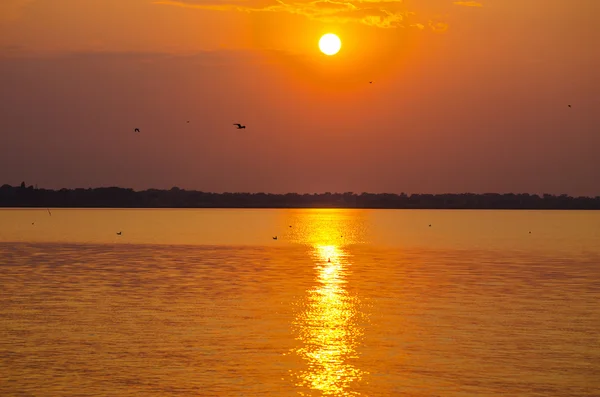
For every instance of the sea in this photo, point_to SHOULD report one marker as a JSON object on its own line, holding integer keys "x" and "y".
{"x": 299, "y": 302}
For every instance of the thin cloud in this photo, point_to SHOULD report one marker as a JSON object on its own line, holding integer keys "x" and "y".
{"x": 438, "y": 26}
{"x": 468, "y": 3}
{"x": 375, "y": 13}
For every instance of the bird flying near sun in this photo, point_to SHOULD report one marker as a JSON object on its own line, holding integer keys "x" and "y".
{"x": 330, "y": 44}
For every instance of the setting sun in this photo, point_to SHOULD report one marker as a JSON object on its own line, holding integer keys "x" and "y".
{"x": 330, "y": 44}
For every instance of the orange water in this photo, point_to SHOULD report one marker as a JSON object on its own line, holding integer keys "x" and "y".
{"x": 344, "y": 302}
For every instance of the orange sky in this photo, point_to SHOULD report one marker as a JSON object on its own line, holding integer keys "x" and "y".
{"x": 466, "y": 96}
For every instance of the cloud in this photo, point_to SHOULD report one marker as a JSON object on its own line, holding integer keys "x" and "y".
{"x": 468, "y": 3}
{"x": 375, "y": 13}
{"x": 438, "y": 26}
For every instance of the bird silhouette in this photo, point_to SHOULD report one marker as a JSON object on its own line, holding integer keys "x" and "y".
{"x": 137, "y": 130}
{"x": 569, "y": 105}
{"x": 188, "y": 121}
{"x": 275, "y": 238}
{"x": 119, "y": 233}
{"x": 370, "y": 82}
{"x": 49, "y": 213}
{"x": 239, "y": 126}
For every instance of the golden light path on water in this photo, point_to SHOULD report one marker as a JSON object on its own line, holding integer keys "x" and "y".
{"x": 328, "y": 326}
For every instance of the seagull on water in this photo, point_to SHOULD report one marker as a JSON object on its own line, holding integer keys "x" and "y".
{"x": 239, "y": 126}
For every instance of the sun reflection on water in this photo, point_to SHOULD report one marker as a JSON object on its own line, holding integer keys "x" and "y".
{"x": 328, "y": 328}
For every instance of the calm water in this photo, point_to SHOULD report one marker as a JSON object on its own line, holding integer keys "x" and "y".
{"x": 344, "y": 302}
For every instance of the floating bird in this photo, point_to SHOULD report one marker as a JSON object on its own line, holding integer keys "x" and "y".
{"x": 569, "y": 105}
{"x": 33, "y": 223}
{"x": 370, "y": 82}
{"x": 119, "y": 233}
{"x": 290, "y": 225}
{"x": 188, "y": 121}
{"x": 275, "y": 238}
{"x": 50, "y": 213}
{"x": 429, "y": 225}
{"x": 529, "y": 232}
{"x": 239, "y": 126}
{"x": 137, "y": 130}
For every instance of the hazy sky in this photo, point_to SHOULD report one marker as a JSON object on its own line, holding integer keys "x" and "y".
{"x": 466, "y": 96}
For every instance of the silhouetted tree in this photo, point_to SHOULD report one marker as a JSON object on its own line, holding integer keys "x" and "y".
{"x": 175, "y": 197}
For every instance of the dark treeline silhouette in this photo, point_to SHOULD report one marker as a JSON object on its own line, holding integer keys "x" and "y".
{"x": 115, "y": 197}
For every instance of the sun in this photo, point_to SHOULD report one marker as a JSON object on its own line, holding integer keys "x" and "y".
{"x": 330, "y": 44}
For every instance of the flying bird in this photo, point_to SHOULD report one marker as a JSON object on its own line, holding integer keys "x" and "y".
{"x": 275, "y": 238}
{"x": 239, "y": 126}
{"x": 137, "y": 130}
{"x": 119, "y": 233}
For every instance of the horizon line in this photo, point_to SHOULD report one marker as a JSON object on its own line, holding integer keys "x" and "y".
{"x": 176, "y": 188}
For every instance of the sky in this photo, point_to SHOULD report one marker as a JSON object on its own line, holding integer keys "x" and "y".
{"x": 465, "y": 96}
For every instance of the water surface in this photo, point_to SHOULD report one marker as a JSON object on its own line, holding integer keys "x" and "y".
{"x": 344, "y": 302}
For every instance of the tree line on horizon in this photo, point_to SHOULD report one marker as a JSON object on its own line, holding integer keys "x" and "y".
{"x": 116, "y": 197}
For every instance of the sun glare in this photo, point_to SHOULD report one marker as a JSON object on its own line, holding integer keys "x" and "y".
{"x": 330, "y": 44}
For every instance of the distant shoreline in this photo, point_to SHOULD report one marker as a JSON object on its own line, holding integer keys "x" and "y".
{"x": 295, "y": 208}
{"x": 122, "y": 198}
